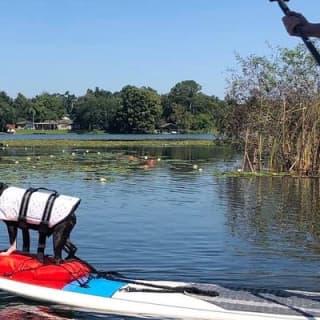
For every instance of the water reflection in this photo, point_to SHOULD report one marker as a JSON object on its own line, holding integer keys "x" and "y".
{"x": 270, "y": 211}
{"x": 18, "y": 311}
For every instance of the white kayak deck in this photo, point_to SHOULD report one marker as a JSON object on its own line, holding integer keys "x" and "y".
{"x": 229, "y": 304}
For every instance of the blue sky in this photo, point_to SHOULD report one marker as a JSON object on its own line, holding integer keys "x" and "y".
{"x": 73, "y": 45}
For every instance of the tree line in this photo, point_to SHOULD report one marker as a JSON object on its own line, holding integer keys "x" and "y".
{"x": 131, "y": 110}
{"x": 271, "y": 110}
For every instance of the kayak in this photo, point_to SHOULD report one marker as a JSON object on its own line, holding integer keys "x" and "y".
{"x": 76, "y": 285}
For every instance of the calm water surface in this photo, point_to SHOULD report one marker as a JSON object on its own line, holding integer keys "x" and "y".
{"x": 178, "y": 220}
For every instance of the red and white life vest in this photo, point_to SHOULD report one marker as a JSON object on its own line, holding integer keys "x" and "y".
{"x": 11, "y": 200}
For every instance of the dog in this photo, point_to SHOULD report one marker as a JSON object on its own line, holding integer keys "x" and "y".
{"x": 39, "y": 209}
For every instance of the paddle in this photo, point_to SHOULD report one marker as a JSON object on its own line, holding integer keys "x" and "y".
{"x": 116, "y": 276}
{"x": 299, "y": 31}
{"x": 191, "y": 289}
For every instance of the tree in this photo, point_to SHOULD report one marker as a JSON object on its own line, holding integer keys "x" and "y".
{"x": 87, "y": 113}
{"x": 183, "y": 93}
{"x": 180, "y": 116}
{"x": 96, "y": 110}
{"x": 140, "y": 110}
{"x": 21, "y": 105}
{"x": 189, "y": 108}
{"x": 206, "y": 110}
{"x": 7, "y": 112}
{"x": 48, "y": 107}
{"x": 68, "y": 102}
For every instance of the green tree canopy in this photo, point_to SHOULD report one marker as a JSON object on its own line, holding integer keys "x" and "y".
{"x": 183, "y": 93}
{"x": 133, "y": 109}
{"x": 189, "y": 108}
{"x": 22, "y": 106}
{"x": 48, "y": 106}
{"x": 7, "y": 112}
{"x": 140, "y": 110}
{"x": 96, "y": 110}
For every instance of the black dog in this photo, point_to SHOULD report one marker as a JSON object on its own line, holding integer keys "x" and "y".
{"x": 39, "y": 209}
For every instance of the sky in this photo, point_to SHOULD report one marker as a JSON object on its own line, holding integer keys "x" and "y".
{"x": 59, "y": 45}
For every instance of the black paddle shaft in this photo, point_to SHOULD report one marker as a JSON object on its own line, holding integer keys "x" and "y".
{"x": 305, "y": 39}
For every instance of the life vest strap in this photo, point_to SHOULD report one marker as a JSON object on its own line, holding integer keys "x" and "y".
{"x": 45, "y": 219}
{"x": 44, "y": 224}
{"x": 22, "y": 221}
{"x": 3, "y": 187}
{"x": 43, "y": 227}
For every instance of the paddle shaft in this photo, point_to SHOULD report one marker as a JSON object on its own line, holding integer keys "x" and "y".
{"x": 305, "y": 39}
{"x": 115, "y": 276}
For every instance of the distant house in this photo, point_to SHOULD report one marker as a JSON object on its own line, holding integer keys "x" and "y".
{"x": 46, "y": 125}
{"x": 24, "y": 125}
{"x": 11, "y": 128}
{"x": 169, "y": 128}
{"x": 64, "y": 124}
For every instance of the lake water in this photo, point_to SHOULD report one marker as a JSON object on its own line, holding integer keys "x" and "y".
{"x": 175, "y": 218}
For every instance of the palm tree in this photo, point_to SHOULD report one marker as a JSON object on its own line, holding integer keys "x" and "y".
{"x": 69, "y": 100}
{"x": 32, "y": 110}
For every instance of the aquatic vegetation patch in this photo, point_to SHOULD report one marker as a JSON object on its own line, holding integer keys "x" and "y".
{"x": 93, "y": 164}
{"x": 59, "y": 143}
{"x": 184, "y": 166}
{"x": 244, "y": 174}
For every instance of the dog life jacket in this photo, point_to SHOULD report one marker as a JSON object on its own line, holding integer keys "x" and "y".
{"x": 35, "y": 206}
